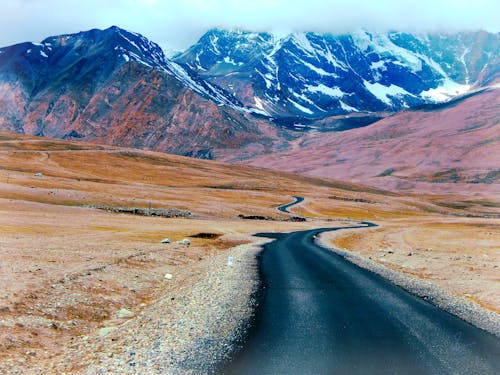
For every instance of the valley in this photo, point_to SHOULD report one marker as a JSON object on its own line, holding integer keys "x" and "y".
{"x": 132, "y": 185}
{"x": 68, "y": 268}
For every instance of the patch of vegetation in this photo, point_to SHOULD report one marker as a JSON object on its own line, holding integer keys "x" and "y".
{"x": 359, "y": 200}
{"x": 387, "y": 172}
{"x": 206, "y": 235}
{"x": 170, "y": 212}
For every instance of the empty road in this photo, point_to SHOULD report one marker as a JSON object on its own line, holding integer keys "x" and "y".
{"x": 320, "y": 314}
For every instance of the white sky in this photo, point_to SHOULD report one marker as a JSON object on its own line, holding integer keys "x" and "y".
{"x": 175, "y": 24}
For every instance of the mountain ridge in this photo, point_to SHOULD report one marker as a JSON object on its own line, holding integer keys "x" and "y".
{"x": 113, "y": 86}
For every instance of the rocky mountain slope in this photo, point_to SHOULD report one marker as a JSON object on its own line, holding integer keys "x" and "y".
{"x": 441, "y": 149}
{"x": 116, "y": 87}
{"x": 303, "y": 77}
{"x": 235, "y": 95}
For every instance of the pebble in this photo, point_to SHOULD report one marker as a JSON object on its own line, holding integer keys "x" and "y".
{"x": 194, "y": 326}
{"x": 124, "y": 314}
{"x": 106, "y": 331}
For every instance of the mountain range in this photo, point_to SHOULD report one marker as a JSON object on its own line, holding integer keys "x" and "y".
{"x": 256, "y": 97}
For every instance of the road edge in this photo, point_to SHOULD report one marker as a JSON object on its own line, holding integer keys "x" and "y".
{"x": 464, "y": 309}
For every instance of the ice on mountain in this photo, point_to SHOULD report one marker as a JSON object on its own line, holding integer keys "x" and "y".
{"x": 213, "y": 41}
{"x": 347, "y": 107}
{"x": 43, "y": 54}
{"x": 301, "y": 41}
{"x": 127, "y": 59}
{"x": 383, "y": 93}
{"x": 447, "y": 90}
{"x": 335, "y": 92}
{"x": 317, "y": 70}
{"x": 260, "y": 107}
{"x": 300, "y": 107}
{"x": 378, "y": 65}
{"x": 382, "y": 45}
{"x": 130, "y": 41}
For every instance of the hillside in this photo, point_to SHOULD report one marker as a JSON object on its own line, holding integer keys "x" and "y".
{"x": 442, "y": 150}
{"x": 232, "y": 92}
{"x": 71, "y": 261}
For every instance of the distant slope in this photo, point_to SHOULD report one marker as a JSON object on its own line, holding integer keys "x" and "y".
{"x": 304, "y": 77}
{"x": 76, "y": 173}
{"x": 451, "y": 149}
{"x": 116, "y": 87}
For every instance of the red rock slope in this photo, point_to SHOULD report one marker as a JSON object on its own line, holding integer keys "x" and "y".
{"x": 451, "y": 149}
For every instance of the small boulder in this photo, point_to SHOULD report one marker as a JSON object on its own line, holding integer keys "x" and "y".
{"x": 168, "y": 276}
{"x": 38, "y": 174}
{"x": 125, "y": 314}
{"x": 106, "y": 331}
{"x": 165, "y": 240}
{"x": 185, "y": 241}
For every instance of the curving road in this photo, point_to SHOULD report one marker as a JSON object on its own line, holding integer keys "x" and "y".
{"x": 284, "y": 207}
{"x": 320, "y": 314}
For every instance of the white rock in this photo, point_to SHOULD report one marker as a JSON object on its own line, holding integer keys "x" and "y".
{"x": 165, "y": 240}
{"x": 185, "y": 241}
{"x": 106, "y": 330}
{"x": 168, "y": 276}
{"x": 125, "y": 314}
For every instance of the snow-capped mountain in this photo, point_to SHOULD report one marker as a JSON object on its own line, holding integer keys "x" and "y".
{"x": 224, "y": 95}
{"x": 308, "y": 76}
{"x": 115, "y": 86}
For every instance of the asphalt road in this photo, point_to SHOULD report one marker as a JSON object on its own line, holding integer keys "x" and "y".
{"x": 284, "y": 207}
{"x": 320, "y": 314}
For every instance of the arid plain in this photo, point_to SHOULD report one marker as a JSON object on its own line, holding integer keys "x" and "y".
{"x": 68, "y": 263}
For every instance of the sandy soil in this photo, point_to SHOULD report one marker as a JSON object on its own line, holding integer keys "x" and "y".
{"x": 460, "y": 255}
{"x": 67, "y": 269}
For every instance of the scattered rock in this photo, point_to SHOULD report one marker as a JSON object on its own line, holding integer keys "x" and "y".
{"x": 184, "y": 241}
{"x": 125, "y": 314}
{"x": 168, "y": 276}
{"x": 106, "y": 330}
{"x": 165, "y": 240}
{"x": 38, "y": 174}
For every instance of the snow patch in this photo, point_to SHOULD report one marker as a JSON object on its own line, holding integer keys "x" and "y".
{"x": 126, "y": 58}
{"x": 301, "y": 41}
{"x": 43, "y": 54}
{"x": 347, "y": 107}
{"x": 260, "y": 107}
{"x": 378, "y": 65}
{"x": 446, "y": 91}
{"x": 318, "y": 70}
{"x": 462, "y": 59}
{"x": 335, "y": 92}
{"x": 382, "y": 92}
{"x": 228, "y": 60}
{"x": 301, "y": 108}
{"x": 381, "y": 44}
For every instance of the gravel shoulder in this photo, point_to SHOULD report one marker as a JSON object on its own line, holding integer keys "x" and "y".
{"x": 463, "y": 308}
{"x": 186, "y": 330}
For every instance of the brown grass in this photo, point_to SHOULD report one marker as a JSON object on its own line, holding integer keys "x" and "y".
{"x": 66, "y": 269}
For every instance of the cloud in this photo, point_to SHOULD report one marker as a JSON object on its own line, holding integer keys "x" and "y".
{"x": 178, "y": 23}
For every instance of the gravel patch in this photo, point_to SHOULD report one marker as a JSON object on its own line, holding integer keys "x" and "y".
{"x": 189, "y": 329}
{"x": 463, "y": 308}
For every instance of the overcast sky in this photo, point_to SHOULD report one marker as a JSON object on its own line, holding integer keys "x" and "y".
{"x": 175, "y": 24}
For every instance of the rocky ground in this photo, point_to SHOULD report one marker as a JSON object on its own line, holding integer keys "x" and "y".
{"x": 185, "y": 330}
